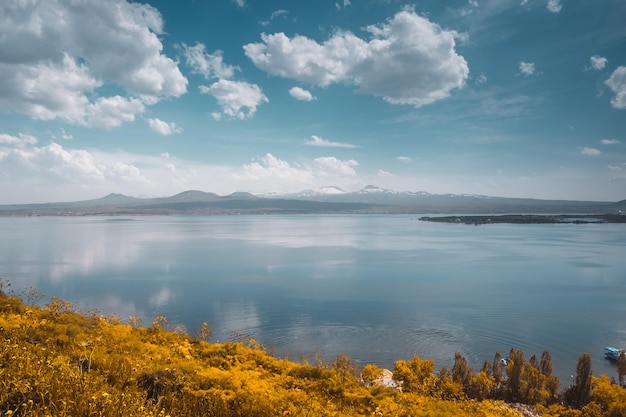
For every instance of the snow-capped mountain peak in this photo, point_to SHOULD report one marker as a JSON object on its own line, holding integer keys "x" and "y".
{"x": 373, "y": 189}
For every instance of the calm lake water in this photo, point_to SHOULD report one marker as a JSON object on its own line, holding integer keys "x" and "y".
{"x": 378, "y": 288}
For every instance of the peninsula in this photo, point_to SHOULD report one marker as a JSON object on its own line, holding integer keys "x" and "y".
{"x": 530, "y": 219}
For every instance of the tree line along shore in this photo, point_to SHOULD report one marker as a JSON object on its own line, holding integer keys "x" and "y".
{"x": 58, "y": 361}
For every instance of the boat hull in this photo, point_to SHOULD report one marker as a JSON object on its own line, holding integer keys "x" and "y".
{"x": 612, "y": 353}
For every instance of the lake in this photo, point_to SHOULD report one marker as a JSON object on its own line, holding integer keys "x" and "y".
{"x": 378, "y": 288}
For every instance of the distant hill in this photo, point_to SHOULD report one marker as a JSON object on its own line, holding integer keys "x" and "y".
{"x": 370, "y": 199}
{"x": 423, "y": 202}
{"x": 620, "y": 205}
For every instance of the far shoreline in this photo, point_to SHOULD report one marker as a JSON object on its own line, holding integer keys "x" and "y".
{"x": 529, "y": 219}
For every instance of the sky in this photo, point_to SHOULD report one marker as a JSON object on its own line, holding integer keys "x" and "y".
{"x": 512, "y": 98}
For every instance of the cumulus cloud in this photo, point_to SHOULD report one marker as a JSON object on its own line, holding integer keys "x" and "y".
{"x": 598, "y": 62}
{"x": 62, "y": 68}
{"x": 384, "y": 174}
{"x": 164, "y": 128}
{"x": 207, "y": 64}
{"x": 554, "y": 6}
{"x": 238, "y": 99}
{"x": 25, "y": 160}
{"x": 610, "y": 142}
{"x": 272, "y": 173}
{"x": 331, "y": 166}
{"x": 275, "y": 173}
{"x": 404, "y": 159}
{"x": 19, "y": 141}
{"x": 108, "y": 112}
{"x": 590, "y": 151}
{"x": 617, "y": 84}
{"x": 527, "y": 68}
{"x": 317, "y": 141}
{"x": 301, "y": 94}
{"x": 31, "y": 172}
{"x": 407, "y": 60}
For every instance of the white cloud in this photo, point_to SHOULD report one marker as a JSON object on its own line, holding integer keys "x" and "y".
{"x": 590, "y": 151}
{"x": 554, "y": 6}
{"x": 317, "y": 141}
{"x": 343, "y": 5}
{"x": 164, "y": 128}
{"x": 384, "y": 174}
{"x": 301, "y": 94}
{"x": 65, "y": 135}
{"x": 481, "y": 79}
{"x": 31, "y": 173}
{"x": 617, "y": 84}
{"x": 240, "y": 3}
{"x": 53, "y": 172}
{"x": 275, "y": 174}
{"x": 109, "y": 112}
{"x": 19, "y": 141}
{"x": 331, "y": 166}
{"x": 598, "y": 62}
{"x": 62, "y": 68}
{"x": 238, "y": 99}
{"x": 404, "y": 159}
{"x": 270, "y": 173}
{"x": 279, "y": 13}
{"x": 610, "y": 142}
{"x": 206, "y": 64}
{"x": 53, "y": 164}
{"x": 466, "y": 11}
{"x": 527, "y": 68}
{"x": 408, "y": 60}
{"x": 124, "y": 173}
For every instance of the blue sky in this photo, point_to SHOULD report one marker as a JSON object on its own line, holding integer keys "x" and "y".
{"x": 521, "y": 98}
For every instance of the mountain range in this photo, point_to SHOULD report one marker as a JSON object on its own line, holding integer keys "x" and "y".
{"x": 369, "y": 200}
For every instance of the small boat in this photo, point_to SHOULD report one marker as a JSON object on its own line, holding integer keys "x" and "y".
{"x": 612, "y": 353}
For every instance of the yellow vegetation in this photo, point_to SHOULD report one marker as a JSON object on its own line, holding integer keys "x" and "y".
{"x": 57, "y": 362}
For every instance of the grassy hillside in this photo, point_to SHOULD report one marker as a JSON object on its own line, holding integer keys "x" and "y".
{"x": 55, "y": 361}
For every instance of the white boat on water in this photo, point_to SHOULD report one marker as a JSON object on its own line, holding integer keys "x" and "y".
{"x": 612, "y": 353}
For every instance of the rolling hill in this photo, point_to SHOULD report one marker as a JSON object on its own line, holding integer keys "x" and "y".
{"x": 368, "y": 200}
